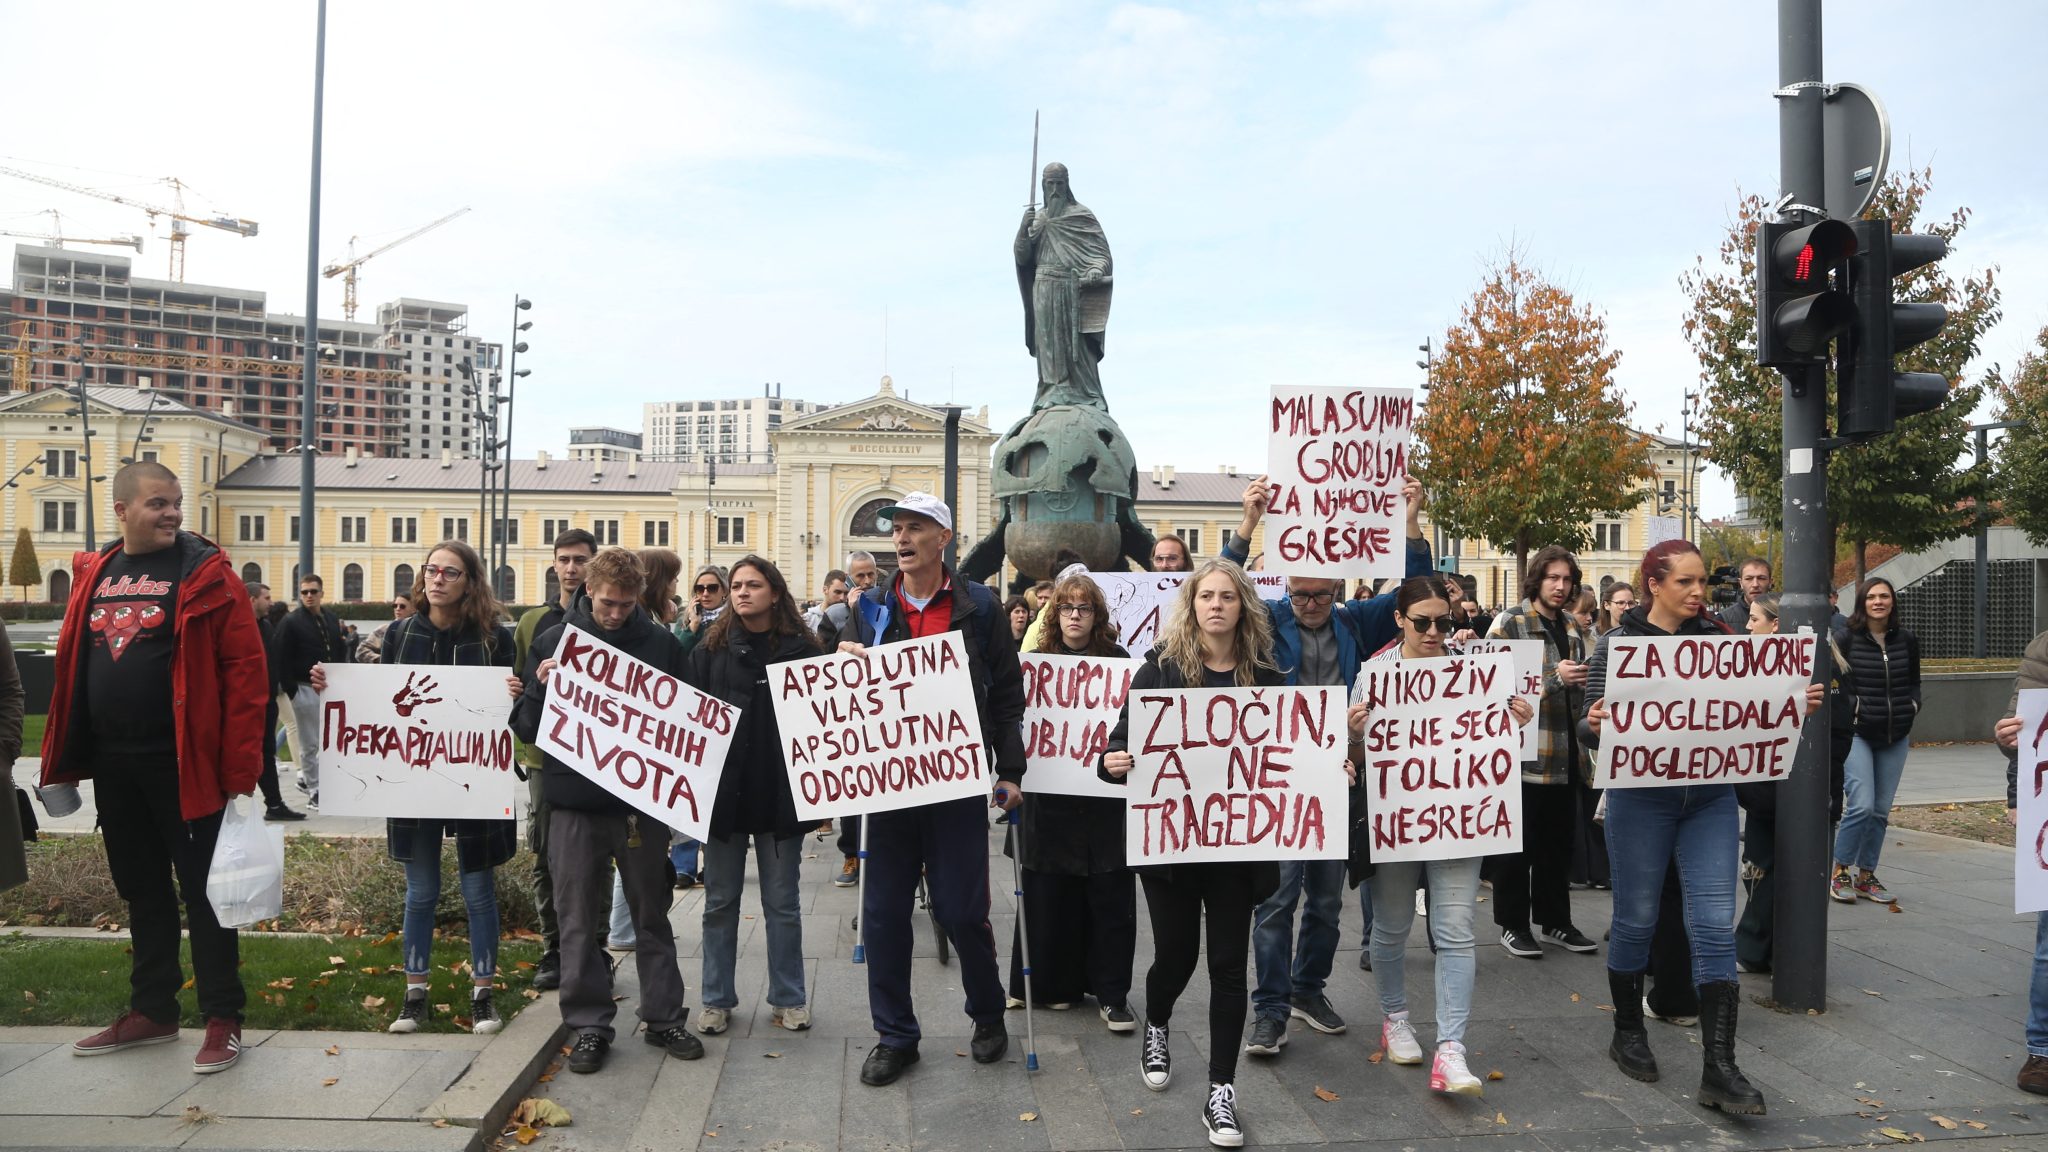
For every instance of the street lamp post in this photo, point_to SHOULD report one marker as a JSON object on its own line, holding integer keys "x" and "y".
{"x": 502, "y": 544}
{"x": 1981, "y": 644}
{"x": 85, "y": 435}
{"x": 1428, "y": 366}
{"x": 310, "y": 387}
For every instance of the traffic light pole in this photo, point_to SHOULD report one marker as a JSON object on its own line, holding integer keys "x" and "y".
{"x": 1802, "y": 844}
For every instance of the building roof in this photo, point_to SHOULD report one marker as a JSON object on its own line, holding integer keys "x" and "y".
{"x": 128, "y": 401}
{"x": 1194, "y": 487}
{"x": 380, "y": 472}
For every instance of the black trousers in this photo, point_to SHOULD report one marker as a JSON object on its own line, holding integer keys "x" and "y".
{"x": 947, "y": 844}
{"x": 1084, "y": 936}
{"x": 849, "y": 835}
{"x": 1753, "y": 933}
{"x": 1671, "y": 988}
{"x": 1589, "y": 853}
{"x": 268, "y": 781}
{"x": 1538, "y": 878}
{"x": 1176, "y": 907}
{"x": 148, "y": 843}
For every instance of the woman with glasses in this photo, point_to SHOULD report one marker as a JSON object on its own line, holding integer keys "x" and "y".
{"x": 1694, "y": 825}
{"x": 1079, "y": 897}
{"x": 457, "y": 621}
{"x": 1422, "y": 609}
{"x": 1615, "y": 602}
{"x": 1884, "y": 696}
{"x": 708, "y": 590}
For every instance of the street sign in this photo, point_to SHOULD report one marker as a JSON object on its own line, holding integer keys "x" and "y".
{"x": 1857, "y": 144}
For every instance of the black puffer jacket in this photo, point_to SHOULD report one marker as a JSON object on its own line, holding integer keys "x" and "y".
{"x": 753, "y": 790}
{"x": 639, "y": 637}
{"x": 1884, "y": 683}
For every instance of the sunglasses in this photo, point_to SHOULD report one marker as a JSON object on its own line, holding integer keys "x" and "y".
{"x": 1423, "y": 624}
{"x": 309, "y": 591}
{"x": 706, "y": 589}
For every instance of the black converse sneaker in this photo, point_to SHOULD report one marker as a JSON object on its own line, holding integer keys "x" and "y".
{"x": 1219, "y": 1116}
{"x": 412, "y": 1013}
{"x": 483, "y": 1017}
{"x": 1154, "y": 1060}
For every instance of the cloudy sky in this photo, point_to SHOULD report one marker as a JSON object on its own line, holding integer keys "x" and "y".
{"x": 700, "y": 198}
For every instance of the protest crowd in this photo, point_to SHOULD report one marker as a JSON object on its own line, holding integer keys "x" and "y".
{"x": 1268, "y": 743}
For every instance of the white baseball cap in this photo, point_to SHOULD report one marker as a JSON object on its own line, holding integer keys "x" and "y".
{"x": 920, "y": 504}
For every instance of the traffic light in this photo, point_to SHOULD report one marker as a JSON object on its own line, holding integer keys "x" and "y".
{"x": 1797, "y": 312}
{"x": 1870, "y": 394}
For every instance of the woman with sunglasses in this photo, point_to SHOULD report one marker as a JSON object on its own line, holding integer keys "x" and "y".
{"x": 1079, "y": 897}
{"x": 457, "y": 621}
{"x": 1695, "y": 824}
{"x": 1422, "y": 609}
{"x": 708, "y": 592}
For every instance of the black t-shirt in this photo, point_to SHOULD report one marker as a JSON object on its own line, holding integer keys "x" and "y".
{"x": 1211, "y": 678}
{"x": 131, "y": 639}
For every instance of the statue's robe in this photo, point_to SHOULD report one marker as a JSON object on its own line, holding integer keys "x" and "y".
{"x": 1064, "y": 319}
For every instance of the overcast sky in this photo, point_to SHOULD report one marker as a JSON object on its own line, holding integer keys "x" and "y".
{"x": 700, "y": 198}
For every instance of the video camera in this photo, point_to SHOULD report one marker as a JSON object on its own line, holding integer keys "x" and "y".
{"x": 1724, "y": 586}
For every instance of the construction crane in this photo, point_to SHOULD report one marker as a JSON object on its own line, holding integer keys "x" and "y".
{"x": 56, "y": 235}
{"x": 177, "y": 215}
{"x": 347, "y": 268}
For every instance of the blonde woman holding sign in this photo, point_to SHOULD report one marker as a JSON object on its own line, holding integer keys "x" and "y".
{"x": 1695, "y": 824}
{"x": 1217, "y": 636}
{"x": 1422, "y": 609}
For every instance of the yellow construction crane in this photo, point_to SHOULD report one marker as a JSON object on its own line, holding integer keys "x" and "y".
{"x": 347, "y": 268}
{"x": 177, "y": 214}
{"x": 56, "y": 235}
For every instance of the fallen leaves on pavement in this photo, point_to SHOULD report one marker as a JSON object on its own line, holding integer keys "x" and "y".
{"x": 1325, "y": 1095}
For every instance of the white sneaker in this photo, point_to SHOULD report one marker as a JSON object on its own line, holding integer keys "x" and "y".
{"x": 1680, "y": 1021}
{"x": 712, "y": 1021}
{"x": 1399, "y": 1040}
{"x": 796, "y": 1019}
{"x": 1450, "y": 1074}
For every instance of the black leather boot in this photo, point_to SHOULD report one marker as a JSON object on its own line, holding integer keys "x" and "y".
{"x": 1630, "y": 1048}
{"x": 1722, "y": 1084}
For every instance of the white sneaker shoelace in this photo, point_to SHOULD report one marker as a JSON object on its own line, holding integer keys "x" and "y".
{"x": 1222, "y": 1108}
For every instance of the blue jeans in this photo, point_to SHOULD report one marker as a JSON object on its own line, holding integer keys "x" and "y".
{"x": 683, "y": 854}
{"x": 423, "y": 893}
{"x": 2037, "y": 996}
{"x": 1646, "y": 828}
{"x": 1870, "y": 778}
{"x": 725, "y": 878}
{"x": 1453, "y": 894}
{"x": 1286, "y": 969}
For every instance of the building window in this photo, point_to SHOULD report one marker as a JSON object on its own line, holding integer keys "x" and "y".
{"x": 507, "y": 532}
{"x": 352, "y": 582}
{"x": 455, "y": 528}
{"x": 551, "y": 530}
{"x": 206, "y": 469}
{"x": 654, "y": 533}
{"x": 60, "y": 516}
{"x": 401, "y": 580}
{"x": 355, "y": 530}
{"x": 607, "y": 533}
{"x": 405, "y": 530}
{"x": 507, "y": 585}
{"x": 252, "y": 572}
{"x": 60, "y": 462}
{"x": 732, "y": 530}
{"x": 294, "y": 535}
{"x": 1192, "y": 537}
{"x": 252, "y": 529}
{"x": 149, "y": 455}
{"x": 1607, "y": 537}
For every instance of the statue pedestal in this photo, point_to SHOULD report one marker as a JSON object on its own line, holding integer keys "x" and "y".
{"x": 1065, "y": 475}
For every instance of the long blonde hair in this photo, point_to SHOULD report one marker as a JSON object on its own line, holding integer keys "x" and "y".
{"x": 1180, "y": 637}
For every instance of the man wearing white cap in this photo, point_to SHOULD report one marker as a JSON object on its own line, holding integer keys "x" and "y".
{"x": 946, "y": 842}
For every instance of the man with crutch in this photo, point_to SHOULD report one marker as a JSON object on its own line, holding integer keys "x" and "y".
{"x": 946, "y": 842}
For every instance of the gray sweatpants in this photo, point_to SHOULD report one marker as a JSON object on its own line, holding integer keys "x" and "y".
{"x": 582, "y": 847}
{"x": 306, "y": 710}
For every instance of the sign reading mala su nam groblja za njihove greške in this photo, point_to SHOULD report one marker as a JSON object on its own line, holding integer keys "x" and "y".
{"x": 1443, "y": 757}
{"x": 416, "y": 740}
{"x": 1070, "y": 705}
{"x": 894, "y": 726}
{"x": 1236, "y": 774}
{"x": 1337, "y": 459}
{"x": 637, "y": 732}
{"x": 1702, "y": 709}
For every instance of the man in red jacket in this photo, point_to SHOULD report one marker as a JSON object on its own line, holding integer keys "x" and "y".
{"x": 159, "y": 701}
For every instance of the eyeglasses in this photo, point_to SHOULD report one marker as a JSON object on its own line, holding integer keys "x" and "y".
{"x": 437, "y": 572}
{"x": 1423, "y": 624}
{"x": 1302, "y": 598}
{"x": 1077, "y": 610}
{"x": 707, "y": 589}
{"x": 309, "y": 591}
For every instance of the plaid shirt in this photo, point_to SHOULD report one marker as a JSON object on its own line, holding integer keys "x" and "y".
{"x": 1559, "y": 709}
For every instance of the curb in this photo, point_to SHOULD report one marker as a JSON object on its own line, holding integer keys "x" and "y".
{"x": 487, "y": 1092}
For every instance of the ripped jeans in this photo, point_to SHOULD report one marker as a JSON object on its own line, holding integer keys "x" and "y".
{"x": 423, "y": 893}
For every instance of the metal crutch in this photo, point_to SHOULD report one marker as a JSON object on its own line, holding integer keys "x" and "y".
{"x": 1023, "y": 928}
{"x": 860, "y": 952}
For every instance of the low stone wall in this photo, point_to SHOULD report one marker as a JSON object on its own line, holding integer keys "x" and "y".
{"x": 1961, "y": 705}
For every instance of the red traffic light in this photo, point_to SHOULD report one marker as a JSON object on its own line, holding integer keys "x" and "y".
{"x": 1804, "y": 255}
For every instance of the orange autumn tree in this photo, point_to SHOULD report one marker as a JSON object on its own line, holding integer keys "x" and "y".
{"x": 1525, "y": 438}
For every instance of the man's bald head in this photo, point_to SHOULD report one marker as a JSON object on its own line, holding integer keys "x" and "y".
{"x": 128, "y": 480}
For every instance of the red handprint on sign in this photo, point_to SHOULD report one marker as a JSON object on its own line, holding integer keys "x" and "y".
{"x": 413, "y": 695}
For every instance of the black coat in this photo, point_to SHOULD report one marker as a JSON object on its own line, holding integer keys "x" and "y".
{"x": 1074, "y": 835}
{"x": 1883, "y": 683}
{"x": 640, "y": 637}
{"x": 304, "y": 640}
{"x": 1265, "y": 874}
{"x": 753, "y": 790}
{"x": 479, "y": 844}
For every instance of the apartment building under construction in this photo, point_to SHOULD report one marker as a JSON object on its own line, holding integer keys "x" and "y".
{"x": 72, "y": 314}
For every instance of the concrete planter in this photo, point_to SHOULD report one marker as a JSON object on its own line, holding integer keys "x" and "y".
{"x": 1961, "y": 705}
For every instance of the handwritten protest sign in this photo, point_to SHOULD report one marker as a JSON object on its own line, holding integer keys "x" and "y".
{"x": 1702, "y": 709}
{"x": 1070, "y": 704}
{"x": 1140, "y": 602}
{"x": 1528, "y": 658}
{"x": 1443, "y": 776}
{"x": 2030, "y": 845}
{"x": 641, "y": 734}
{"x": 893, "y": 727}
{"x": 1337, "y": 458}
{"x": 1236, "y": 774}
{"x": 413, "y": 740}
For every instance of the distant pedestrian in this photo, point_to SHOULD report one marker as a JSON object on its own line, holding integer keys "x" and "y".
{"x": 310, "y": 635}
{"x": 1884, "y": 678}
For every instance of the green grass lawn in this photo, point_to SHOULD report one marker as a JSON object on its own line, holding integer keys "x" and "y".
{"x": 32, "y": 735}
{"x": 337, "y": 983}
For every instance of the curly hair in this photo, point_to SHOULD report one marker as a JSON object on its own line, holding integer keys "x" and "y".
{"x": 1180, "y": 637}
{"x": 617, "y": 569}
{"x": 1078, "y": 588}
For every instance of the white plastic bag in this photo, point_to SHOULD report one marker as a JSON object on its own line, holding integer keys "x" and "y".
{"x": 245, "y": 883}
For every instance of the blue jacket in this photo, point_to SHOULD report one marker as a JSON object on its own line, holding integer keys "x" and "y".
{"x": 1363, "y": 626}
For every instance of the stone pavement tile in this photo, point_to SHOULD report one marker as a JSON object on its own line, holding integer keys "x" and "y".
{"x": 875, "y": 1119}
{"x": 288, "y": 1083}
{"x": 956, "y": 1103}
{"x": 1533, "y": 1088}
{"x": 764, "y": 1094}
{"x": 329, "y": 1136}
{"x": 608, "y": 1105}
{"x": 1950, "y": 959}
{"x": 2003, "y": 1015}
{"x": 436, "y": 1072}
{"x": 1070, "y": 1101}
{"x": 13, "y": 1056}
{"x": 1852, "y": 969}
{"x": 417, "y": 1042}
{"x": 821, "y": 935}
{"x": 1843, "y": 1056}
{"x": 1951, "y": 1055}
{"x": 839, "y": 1000}
{"x": 134, "y": 1083}
{"x": 674, "y": 1112}
{"x": 1371, "y": 1104}
{"x": 1144, "y": 1118}
{"x": 77, "y": 1131}
{"x": 1267, "y": 1107}
{"x": 1777, "y": 1132}
{"x": 1582, "y": 1051}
